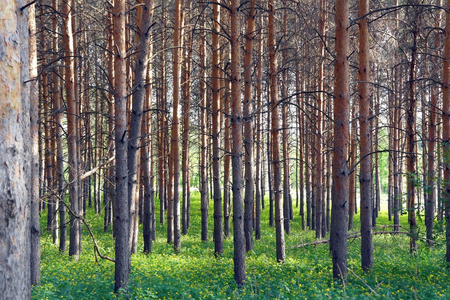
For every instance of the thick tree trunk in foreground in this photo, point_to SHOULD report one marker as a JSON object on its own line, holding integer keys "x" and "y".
{"x": 339, "y": 213}
{"x": 276, "y": 165}
{"x": 236, "y": 150}
{"x": 121, "y": 206}
{"x": 15, "y": 167}
{"x": 365, "y": 177}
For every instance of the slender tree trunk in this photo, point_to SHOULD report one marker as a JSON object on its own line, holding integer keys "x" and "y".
{"x": 432, "y": 125}
{"x": 162, "y": 149}
{"x": 35, "y": 231}
{"x": 352, "y": 179}
{"x": 300, "y": 103}
{"x": 397, "y": 206}
{"x": 72, "y": 139}
{"x": 186, "y": 88}
{"x": 339, "y": 213}
{"x": 446, "y": 126}
{"x": 147, "y": 158}
{"x": 259, "y": 178}
{"x": 319, "y": 201}
{"x": 135, "y": 131}
{"x": 121, "y": 205}
{"x": 365, "y": 177}
{"x": 203, "y": 155}
{"x": 248, "y": 128}
{"x": 269, "y": 161}
{"x": 280, "y": 246}
{"x": 411, "y": 146}
{"x": 175, "y": 138}
{"x": 218, "y": 231}
{"x": 227, "y": 163}
{"x": 236, "y": 151}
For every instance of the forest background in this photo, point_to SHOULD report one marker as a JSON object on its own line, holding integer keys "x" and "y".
{"x": 294, "y": 120}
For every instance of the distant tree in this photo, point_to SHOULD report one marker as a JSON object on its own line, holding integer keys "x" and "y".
{"x": 276, "y": 164}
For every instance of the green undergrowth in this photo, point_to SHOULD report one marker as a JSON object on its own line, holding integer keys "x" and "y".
{"x": 196, "y": 273}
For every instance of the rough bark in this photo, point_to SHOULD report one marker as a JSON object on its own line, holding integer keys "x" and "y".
{"x": 258, "y": 178}
{"x": 365, "y": 176}
{"x": 236, "y": 150}
{"x": 248, "y": 128}
{"x": 35, "y": 231}
{"x": 218, "y": 232}
{"x": 121, "y": 206}
{"x": 186, "y": 88}
{"x": 72, "y": 132}
{"x": 339, "y": 212}
{"x": 411, "y": 146}
{"x": 175, "y": 137}
{"x": 15, "y": 167}
{"x": 134, "y": 140}
{"x": 446, "y": 127}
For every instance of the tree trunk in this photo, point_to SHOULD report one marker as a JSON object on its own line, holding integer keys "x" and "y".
{"x": 72, "y": 139}
{"x": 339, "y": 212}
{"x": 259, "y": 145}
{"x": 135, "y": 130}
{"x": 175, "y": 137}
{"x": 319, "y": 201}
{"x": 148, "y": 214}
{"x": 432, "y": 125}
{"x": 236, "y": 151}
{"x": 411, "y": 146}
{"x": 15, "y": 167}
{"x": 186, "y": 88}
{"x": 218, "y": 231}
{"x": 203, "y": 155}
{"x": 352, "y": 161}
{"x": 248, "y": 128}
{"x": 276, "y": 164}
{"x": 365, "y": 176}
{"x": 35, "y": 231}
{"x": 446, "y": 126}
{"x": 121, "y": 205}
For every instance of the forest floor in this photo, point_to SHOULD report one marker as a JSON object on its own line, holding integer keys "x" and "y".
{"x": 195, "y": 272}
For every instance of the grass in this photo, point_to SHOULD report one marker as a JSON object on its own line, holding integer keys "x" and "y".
{"x": 195, "y": 272}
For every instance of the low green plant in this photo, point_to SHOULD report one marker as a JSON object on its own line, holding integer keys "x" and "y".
{"x": 195, "y": 273}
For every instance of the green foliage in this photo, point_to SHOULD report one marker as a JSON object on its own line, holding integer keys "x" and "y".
{"x": 195, "y": 272}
